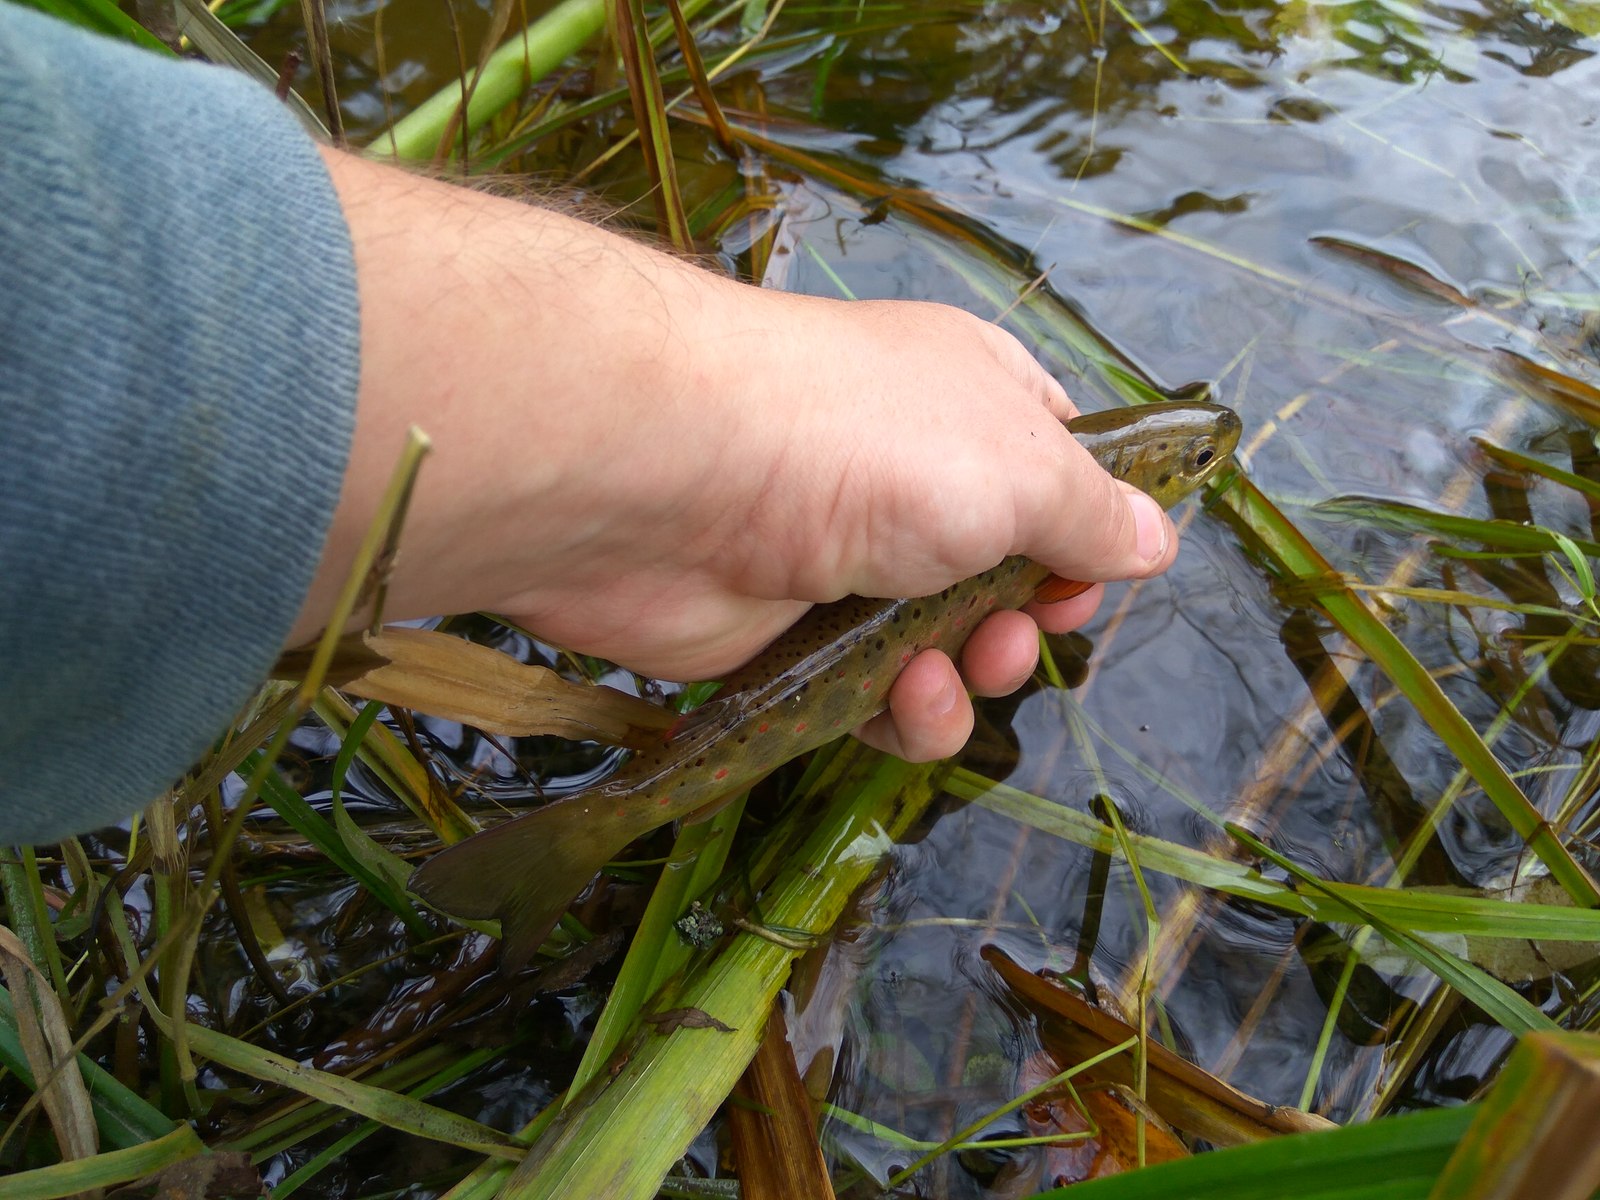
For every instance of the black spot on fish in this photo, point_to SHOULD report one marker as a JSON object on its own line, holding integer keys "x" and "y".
{"x": 878, "y": 645}
{"x": 916, "y": 613}
{"x": 1166, "y": 478}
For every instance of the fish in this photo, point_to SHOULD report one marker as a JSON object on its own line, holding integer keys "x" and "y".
{"x": 829, "y": 673}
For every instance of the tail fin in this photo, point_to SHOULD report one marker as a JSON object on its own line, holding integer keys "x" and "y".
{"x": 526, "y": 871}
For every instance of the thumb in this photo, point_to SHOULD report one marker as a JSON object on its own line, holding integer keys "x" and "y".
{"x": 1100, "y": 528}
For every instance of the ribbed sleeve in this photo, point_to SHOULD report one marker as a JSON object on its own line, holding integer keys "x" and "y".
{"x": 178, "y": 366}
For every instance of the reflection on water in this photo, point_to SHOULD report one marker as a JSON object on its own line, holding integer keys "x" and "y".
{"x": 1351, "y": 220}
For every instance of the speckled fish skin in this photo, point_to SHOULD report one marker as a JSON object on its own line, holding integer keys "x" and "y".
{"x": 828, "y": 674}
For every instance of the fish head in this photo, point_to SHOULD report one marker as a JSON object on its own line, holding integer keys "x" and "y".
{"x": 1167, "y": 450}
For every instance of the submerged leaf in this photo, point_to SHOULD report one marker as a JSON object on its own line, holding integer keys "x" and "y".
{"x": 1582, "y": 16}
{"x": 1576, "y": 396}
{"x": 221, "y": 1175}
{"x": 1186, "y": 1096}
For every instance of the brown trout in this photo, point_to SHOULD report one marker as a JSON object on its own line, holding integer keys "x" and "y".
{"x": 828, "y": 674}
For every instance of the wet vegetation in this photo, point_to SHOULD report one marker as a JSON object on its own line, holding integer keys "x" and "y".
{"x": 1300, "y": 835}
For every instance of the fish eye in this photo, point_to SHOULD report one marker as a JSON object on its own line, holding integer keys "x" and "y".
{"x": 1204, "y": 457}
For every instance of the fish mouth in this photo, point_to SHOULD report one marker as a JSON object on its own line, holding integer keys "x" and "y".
{"x": 1229, "y": 427}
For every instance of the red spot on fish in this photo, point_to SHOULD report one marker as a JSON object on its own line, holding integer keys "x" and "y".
{"x": 762, "y": 728}
{"x": 663, "y": 801}
{"x": 838, "y": 721}
{"x": 722, "y": 773}
{"x": 961, "y": 622}
{"x": 840, "y": 675}
{"x": 621, "y": 811}
{"x": 905, "y": 657}
{"x": 988, "y": 601}
{"x": 800, "y": 727}
{"x": 866, "y": 685}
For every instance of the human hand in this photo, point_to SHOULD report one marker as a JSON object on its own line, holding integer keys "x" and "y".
{"x": 644, "y": 461}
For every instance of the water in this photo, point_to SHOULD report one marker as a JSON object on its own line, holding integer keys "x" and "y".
{"x": 1339, "y": 217}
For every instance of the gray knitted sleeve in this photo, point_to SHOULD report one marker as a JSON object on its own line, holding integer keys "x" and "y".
{"x": 178, "y": 365}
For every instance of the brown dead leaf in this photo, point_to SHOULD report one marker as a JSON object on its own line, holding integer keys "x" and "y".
{"x": 1186, "y": 1097}
{"x": 459, "y": 680}
{"x": 772, "y": 1126}
{"x": 47, "y": 1044}
{"x": 1115, "y": 1112}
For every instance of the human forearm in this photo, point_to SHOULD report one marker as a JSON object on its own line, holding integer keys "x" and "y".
{"x": 548, "y": 360}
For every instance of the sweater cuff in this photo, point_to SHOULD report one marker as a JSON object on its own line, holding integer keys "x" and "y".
{"x": 180, "y": 345}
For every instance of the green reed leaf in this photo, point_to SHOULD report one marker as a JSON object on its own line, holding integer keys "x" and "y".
{"x": 657, "y": 951}
{"x": 630, "y": 1128}
{"x": 397, "y": 1111}
{"x": 1496, "y": 535}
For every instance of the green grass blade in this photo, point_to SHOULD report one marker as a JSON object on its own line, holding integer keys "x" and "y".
{"x": 1535, "y": 466}
{"x": 104, "y": 1170}
{"x": 316, "y": 829}
{"x": 527, "y": 56}
{"x": 1410, "y": 518}
{"x": 650, "y": 114}
{"x": 29, "y": 914}
{"x": 398, "y": 1112}
{"x": 330, "y": 1154}
{"x": 399, "y": 770}
{"x": 1397, "y": 1158}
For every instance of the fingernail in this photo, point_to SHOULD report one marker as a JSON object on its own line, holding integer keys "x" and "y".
{"x": 1150, "y": 527}
{"x": 945, "y": 702}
